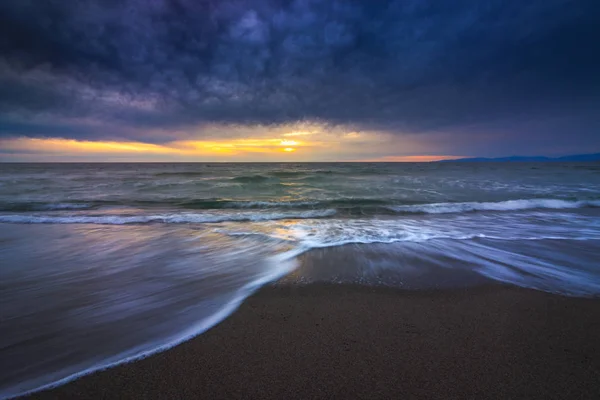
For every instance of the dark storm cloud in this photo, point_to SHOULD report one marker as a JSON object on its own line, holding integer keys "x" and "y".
{"x": 415, "y": 65}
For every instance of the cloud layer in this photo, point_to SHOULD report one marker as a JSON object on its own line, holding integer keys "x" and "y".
{"x": 162, "y": 70}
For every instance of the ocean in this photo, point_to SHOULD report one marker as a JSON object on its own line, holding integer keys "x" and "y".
{"x": 105, "y": 263}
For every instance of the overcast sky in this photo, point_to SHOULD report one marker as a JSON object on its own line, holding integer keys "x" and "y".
{"x": 260, "y": 80}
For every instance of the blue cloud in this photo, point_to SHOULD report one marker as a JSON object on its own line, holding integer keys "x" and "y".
{"x": 413, "y": 65}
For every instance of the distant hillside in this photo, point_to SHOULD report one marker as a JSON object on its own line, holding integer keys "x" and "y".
{"x": 575, "y": 157}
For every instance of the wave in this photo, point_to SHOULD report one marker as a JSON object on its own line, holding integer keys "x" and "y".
{"x": 182, "y": 173}
{"x": 347, "y": 206}
{"x": 333, "y": 232}
{"x": 177, "y": 218}
{"x": 237, "y": 204}
{"x": 363, "y": 205}
{"x": 425, "y": 237}
{"x": 352, "y": 201}
{"x": 250, "y": 179}
{"x": 287, "y": 174}
{"x": 308, "y": 174}
{"x": 199, "y": 204}
{"x": 322, "y": 239}
{"x": 271, "y": 204}
{"x": 508, "y": 205}
{"x": 279, "y": 265}
{"x": 196, "y": 204}
{"x": 326, "y": 203}
{"x": 40, "y": 206}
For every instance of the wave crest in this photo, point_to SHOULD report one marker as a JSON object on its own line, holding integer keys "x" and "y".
{"x": 177, "y": 218}
{"x": 508, "y": 205}
{"x": 250, "y": 179}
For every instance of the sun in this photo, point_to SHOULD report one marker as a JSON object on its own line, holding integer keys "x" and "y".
{"x": 289, "y": 149}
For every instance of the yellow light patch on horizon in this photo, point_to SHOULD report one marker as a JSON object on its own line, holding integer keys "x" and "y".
{"x": 218, "y": 148}
{"x": 58, "y": 145}
{"x": 236, "y": 146}
{"x": 266, "y": 145}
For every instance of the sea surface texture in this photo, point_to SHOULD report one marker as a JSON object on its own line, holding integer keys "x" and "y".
{"x": 103, "y": 263}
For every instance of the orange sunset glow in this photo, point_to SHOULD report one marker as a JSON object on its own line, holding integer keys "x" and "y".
{"x": 258, "y": 144}
{"x": 182, "y": 148}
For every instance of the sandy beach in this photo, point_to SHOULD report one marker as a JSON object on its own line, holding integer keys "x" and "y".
{"x": 347, "y": 341}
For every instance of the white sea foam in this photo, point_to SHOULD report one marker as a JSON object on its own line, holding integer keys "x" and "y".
{"x": 529, "y": 267}
{"x": 278, "y": 266}
{"x": 337, "y": 232}
{"x": 508, "y": 205}
{"x": 174, "y": 218}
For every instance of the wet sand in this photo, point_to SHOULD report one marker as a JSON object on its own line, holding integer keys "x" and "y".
{"x": 346, "y": 341}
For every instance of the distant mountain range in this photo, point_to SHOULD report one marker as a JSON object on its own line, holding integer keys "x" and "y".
{"x": 575, "y": 157}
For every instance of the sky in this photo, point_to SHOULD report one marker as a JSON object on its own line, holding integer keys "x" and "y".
{"x": 297, "y": 80}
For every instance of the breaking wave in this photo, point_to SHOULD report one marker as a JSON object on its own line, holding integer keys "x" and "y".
{"x": 347, "y": 205}
{"x": 509, "y": 205}
{"x": 175, "y": 218}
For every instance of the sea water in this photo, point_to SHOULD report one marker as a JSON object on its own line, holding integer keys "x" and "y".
{"x": 104, "y": 263}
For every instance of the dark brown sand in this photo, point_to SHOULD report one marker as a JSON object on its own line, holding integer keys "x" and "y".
{"x": 349, "y": 342}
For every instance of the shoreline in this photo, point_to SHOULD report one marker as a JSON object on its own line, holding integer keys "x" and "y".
{"x": 351, "y": 341}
